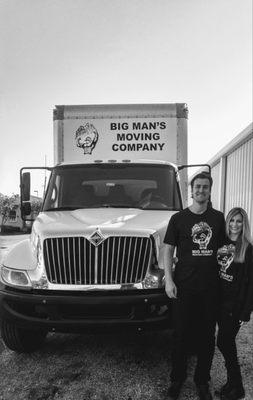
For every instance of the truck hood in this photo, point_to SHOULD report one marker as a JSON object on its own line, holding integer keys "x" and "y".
{"x": 110, "y": 221}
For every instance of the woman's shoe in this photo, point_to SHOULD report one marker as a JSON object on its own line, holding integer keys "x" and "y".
{"x": 174, "y": 390}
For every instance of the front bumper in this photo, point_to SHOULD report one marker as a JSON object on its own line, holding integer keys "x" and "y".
{"x": 70, "y": 311}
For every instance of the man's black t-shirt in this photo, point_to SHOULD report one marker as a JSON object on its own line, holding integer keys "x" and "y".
{"x": 197, "y": 238}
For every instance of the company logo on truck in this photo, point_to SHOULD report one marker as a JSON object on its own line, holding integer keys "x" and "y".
{"x": 96, "y": 238}
{"x": 86, "y": 137}
{"x": 138, "y": 136}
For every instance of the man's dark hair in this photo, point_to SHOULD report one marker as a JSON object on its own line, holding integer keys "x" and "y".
{"x": 202, "y": 175}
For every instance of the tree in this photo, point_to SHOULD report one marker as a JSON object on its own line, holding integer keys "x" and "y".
{"x": 7, "y": 203}
{"x": 36, "y": 206}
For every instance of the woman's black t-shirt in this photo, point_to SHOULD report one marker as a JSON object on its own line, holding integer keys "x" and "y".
{"x": 197, "y": 238}
{"x": 228, "y": 271}
{"x": 234, "y": 276}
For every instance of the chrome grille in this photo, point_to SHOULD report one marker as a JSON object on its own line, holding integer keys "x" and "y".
{"x": 76, "y": 261}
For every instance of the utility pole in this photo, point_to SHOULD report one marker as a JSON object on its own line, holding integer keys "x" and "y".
{"x": 45, "y": 178}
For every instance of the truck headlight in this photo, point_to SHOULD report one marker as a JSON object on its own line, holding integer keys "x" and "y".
{"x": 154, "y": 280}
{"x": 15, "y": 277}
{"x": 151, "y": 282}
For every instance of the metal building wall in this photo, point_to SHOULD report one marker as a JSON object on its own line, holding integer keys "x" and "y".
{"x": 232, "y": 173}
{"x": 239, "y": 179}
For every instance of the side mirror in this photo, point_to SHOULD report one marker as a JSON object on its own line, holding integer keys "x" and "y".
{"x": 25, "y": 187}
{"x": 30, "y": 180}
{"x": 26, "y": 208}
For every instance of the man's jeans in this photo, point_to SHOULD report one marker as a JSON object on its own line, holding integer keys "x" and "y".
{"x": 198, "y": 308}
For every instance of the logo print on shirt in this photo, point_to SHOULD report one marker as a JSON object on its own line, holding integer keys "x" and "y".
{"x": 201, "y": 234}
{"x": 225, "y": 256}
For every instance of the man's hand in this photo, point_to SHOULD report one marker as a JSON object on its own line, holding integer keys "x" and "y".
{"x": 171, "y": 289}
{"x": 169, "y": 260}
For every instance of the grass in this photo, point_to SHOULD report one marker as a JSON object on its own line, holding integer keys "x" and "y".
{"x": 106, "y": 367}
{"x": 89, "y": 367}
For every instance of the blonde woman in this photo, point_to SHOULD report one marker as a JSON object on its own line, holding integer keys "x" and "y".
{"x": 236, "y": 277}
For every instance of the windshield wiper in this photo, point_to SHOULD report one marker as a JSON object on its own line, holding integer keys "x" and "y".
{"x": 104, "y": 205}
{"x": 111, "y": 205}
{"x": 64, "y": 208}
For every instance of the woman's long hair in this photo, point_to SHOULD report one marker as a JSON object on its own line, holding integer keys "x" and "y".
{"x": 244, "y": 238}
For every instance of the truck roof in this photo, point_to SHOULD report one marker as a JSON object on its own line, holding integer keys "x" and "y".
{"x": 171, "y": 110}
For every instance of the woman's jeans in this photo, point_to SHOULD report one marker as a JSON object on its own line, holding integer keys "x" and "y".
{"x": 228, "y": 329}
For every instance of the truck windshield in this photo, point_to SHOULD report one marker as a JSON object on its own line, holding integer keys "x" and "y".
{"x": 144, "y": 186}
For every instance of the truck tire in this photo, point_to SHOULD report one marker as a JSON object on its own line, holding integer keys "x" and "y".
{"x": 21, "y": 340}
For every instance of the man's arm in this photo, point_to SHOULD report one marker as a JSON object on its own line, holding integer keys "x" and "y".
{"x": 222, "y": 233}
{"x": 170, "y": 287}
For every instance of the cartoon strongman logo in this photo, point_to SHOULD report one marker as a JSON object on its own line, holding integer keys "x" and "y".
{"x": 225, "y": 256}
{"x": 201, "y": 234}
{"x": 86, "y": 137}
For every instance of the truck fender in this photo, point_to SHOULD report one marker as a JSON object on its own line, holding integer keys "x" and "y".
{"x": 21, "y": 256}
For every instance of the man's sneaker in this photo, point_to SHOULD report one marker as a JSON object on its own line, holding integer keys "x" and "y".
{"x": 224, "y": 389}
{"x": 204, "y": 392}
{"x": 236, "y": 393}
{"x": 174, "y": 390}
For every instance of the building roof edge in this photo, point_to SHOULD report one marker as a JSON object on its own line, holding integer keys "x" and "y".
{"x": 242, "y": 137}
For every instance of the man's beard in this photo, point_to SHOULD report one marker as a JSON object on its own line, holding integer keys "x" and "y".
{"x": 203, "y": 201}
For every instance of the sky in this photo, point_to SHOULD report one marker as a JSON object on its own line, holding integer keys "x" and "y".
{"x": 55, "y": 52}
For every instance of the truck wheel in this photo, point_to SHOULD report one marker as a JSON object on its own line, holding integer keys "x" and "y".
{"x": 21, "y": 340}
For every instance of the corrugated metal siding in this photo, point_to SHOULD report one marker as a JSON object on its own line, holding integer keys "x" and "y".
{"x": 239, "y": 179}
{"x": 216, "y": 186}
{"x": 232, "y": 173}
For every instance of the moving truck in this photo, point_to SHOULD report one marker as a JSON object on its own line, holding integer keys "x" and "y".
{"x": 94, "y": 259}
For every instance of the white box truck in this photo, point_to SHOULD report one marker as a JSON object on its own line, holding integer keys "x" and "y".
{"x": 94, "y": 259}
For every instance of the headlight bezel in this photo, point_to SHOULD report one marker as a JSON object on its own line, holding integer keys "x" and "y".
{"x": 36, "y": 244}
{"x": 13, "y": 278}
